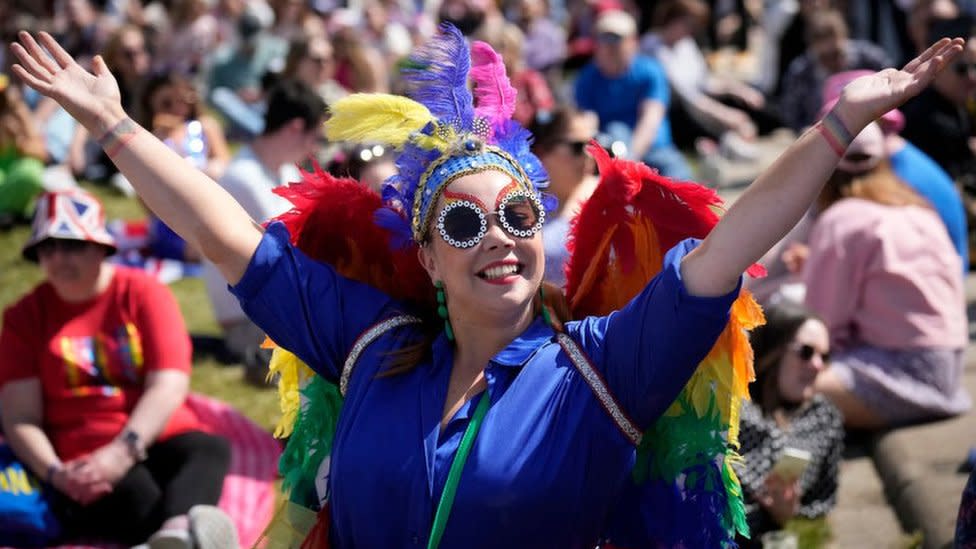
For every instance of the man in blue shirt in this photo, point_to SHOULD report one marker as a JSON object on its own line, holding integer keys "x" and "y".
{"x": 630, "y": 95}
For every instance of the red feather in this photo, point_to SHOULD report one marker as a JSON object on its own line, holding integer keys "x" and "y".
{"x": 332, "y": 221}
{"x": 630, "y": 194}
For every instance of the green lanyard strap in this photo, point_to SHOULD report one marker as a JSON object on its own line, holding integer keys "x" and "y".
{"x": 454, "y": 475}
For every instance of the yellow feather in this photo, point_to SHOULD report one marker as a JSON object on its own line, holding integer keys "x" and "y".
{"x": 292, "y": 375}
{"x": 376, "y": 117}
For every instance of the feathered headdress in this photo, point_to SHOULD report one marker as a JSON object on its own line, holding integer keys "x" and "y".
{"x": 441, "y": 130}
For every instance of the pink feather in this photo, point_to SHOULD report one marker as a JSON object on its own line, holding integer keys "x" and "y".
{"x": 494, "y": 94}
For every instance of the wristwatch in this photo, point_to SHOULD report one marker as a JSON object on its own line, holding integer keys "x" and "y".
{"x": 134, "y": 444}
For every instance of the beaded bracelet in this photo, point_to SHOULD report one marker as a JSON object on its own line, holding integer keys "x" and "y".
{"x": 835, "y": 133}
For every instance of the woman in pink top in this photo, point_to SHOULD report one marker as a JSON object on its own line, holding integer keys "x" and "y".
{"x": 884, "y": 276}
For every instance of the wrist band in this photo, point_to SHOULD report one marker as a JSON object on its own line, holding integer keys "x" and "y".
{"x": 835, "y": 133}
{"x": 117, "y": 137}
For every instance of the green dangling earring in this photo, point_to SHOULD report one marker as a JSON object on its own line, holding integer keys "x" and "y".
{"x": 442, "y": 310}
{"x": 545, "y": 312}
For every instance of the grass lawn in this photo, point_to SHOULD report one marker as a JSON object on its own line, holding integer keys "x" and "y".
{"x": 224, "y": 382}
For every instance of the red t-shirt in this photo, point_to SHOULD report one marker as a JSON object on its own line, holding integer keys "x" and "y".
{"x": 92, "y": 357}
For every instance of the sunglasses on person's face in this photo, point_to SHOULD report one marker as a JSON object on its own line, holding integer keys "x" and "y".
{"x": 609, "y": 38}
{"x": 577, "y": 148}
{"x": 806, "y": 352}
{"x": 63, "y": 245}
{"x": 464, "y": 222}
{"x": 964, "y": 69}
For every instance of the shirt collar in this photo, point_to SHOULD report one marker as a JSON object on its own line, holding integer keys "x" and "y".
{"x": 525, "y": 345}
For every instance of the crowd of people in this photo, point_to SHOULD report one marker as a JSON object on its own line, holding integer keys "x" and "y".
{"x": 865, "y": 307}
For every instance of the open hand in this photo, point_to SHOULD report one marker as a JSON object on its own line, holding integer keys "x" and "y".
{"x": 92, "y": 98}
{"x": 868, "y": 97}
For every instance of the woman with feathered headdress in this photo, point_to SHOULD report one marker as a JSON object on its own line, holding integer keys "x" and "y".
{"x": 477, "y": 410}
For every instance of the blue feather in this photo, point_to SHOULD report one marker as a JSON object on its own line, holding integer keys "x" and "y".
{"x": 517, "y": 140}
{"x": 437, "y": 76}
{"x": 391, "y": 190}
{"x": 549, "y": 202}
{"x": 397, "y": 225}
{"x": 411, "y": 164}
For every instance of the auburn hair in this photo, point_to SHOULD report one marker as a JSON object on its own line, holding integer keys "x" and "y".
{"x": 879, "y": 185}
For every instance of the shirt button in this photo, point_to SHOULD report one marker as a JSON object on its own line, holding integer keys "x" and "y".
{"x": 416, "y": 540}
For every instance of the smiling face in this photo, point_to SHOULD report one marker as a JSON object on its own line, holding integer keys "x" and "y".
{"x": 803, "y": 361}
{"x": 497, "y": 277}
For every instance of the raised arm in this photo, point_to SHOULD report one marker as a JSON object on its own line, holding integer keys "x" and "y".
{"x": 777, "y": 200}
{"x": 196, "y": 207}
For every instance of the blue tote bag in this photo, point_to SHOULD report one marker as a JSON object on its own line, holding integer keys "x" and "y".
{"x": 26, "y": 518}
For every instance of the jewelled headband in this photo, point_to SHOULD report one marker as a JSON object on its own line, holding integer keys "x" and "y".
{"x": 441, "y": 130}
{"x": 473, "y": 158}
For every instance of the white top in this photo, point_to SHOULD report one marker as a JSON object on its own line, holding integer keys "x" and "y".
{"x": 251, "y": 184}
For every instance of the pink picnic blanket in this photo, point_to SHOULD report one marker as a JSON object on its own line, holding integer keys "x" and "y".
{"x": 249, "y": 494}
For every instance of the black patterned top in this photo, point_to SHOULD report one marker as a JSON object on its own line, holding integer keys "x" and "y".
{"x": 817, "y": 428}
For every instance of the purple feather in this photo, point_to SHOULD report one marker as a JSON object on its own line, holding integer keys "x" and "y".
{"x": 437, "y": 76}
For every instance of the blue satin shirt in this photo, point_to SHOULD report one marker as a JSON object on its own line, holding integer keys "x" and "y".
{"x": 549, "y": 463}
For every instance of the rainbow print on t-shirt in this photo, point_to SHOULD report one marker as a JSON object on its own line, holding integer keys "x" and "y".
{"x": 100, "y": 364}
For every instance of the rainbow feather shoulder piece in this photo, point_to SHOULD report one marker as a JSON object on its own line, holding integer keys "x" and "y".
{"x": 617, "y": 244}
{"x": 336, "y": 221}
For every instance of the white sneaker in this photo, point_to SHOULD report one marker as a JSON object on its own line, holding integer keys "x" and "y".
{"x": 211, "y": 528}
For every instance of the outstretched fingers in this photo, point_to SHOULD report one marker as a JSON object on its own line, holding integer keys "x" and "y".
{"x": 30, "y": 71}
{"x": 939, "y": 54}
{"x": 37, "y": 53}
{"x": 929, "y": 53}
{"x": 62, "y": 57}
{"x": 30, "y": 79}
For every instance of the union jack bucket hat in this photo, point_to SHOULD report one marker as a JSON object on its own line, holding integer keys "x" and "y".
{"x": 72, "y": 214}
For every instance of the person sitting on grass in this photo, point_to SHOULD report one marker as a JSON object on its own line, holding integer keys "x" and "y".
{"x": 93, "y": 382}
